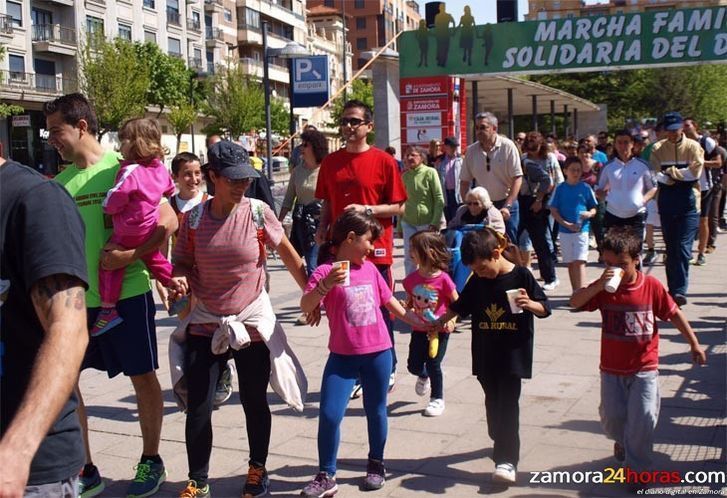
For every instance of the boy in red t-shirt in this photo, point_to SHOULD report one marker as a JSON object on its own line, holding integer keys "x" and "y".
{"x": 630, "y": 347}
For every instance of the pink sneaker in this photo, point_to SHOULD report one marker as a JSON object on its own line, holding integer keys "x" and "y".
{"x": 107, "y": 319}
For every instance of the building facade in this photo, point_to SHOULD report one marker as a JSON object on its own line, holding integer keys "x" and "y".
{"x": 372, "y": 23}
{"x": 558, "y": 9}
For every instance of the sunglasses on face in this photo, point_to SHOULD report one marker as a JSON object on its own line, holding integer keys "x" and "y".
{"x": 236, "y": 183}
{"x": 354, "y": 122}
{"x": 473, "y": 203}
{"x": 482, "y": 128}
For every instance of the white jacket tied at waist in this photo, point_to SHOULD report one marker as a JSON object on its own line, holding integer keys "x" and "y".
{"x": 286, "y": 373}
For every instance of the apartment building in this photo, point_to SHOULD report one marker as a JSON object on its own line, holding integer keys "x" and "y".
{"x": 557, "y": 9}
{"x": 372, "y": 23}
{"x": 42, "y": 38}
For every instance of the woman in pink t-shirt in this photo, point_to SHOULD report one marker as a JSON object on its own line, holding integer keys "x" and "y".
{"x": 221, "y": 250}
{"x": 352, "y": 291}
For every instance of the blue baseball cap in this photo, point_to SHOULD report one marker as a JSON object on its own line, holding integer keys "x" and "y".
{"x": 673, "y": 121}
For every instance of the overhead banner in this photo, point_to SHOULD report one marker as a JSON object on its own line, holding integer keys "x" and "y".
{"x": 598, "y": 42}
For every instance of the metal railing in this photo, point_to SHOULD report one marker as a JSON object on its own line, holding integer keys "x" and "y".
{"x": 173, "y": 17}
{"x": 195, "y": 63}
{"x": 54, "y": 33}
{"x": 6, "y": 24}
{"x": 214, "y": 34}
{"x": 41, "y": 83}
{"x": 194, "y": 25}
{"x": 249, "y": 27}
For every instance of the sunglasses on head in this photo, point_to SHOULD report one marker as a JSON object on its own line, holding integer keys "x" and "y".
{"x": 355, "y": 122}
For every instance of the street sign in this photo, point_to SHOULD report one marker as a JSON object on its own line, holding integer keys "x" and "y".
{"x": 309, "y": 81}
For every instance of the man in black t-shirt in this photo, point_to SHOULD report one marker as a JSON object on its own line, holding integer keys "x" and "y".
{"x": 43, "y": 335}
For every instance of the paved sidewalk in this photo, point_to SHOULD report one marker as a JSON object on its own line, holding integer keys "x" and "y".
{"x": 451, "y": 455}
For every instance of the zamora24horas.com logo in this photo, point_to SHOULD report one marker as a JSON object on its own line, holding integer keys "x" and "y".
{"x": 625, "y": 475}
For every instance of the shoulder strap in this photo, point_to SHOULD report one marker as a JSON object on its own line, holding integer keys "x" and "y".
{"x": 257, "y": 210}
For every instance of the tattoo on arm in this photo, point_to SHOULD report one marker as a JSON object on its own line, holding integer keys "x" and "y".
{"x": 61, "y": 290}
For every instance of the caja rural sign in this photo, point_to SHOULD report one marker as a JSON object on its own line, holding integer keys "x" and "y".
{"x": 599, "y": 42}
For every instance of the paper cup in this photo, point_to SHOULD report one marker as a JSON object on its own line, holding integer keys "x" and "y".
{"x": 512, "y": 294}
{"x": 613, "y": 282}
{"x": 346, "y": 265}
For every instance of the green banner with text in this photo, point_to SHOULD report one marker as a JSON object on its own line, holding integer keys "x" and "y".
{"x": 594, "y": 43}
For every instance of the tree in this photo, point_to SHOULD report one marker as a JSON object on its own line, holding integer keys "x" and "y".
{"x": 168, "y": 77}
{"x": 7, "y": 109}
{"x": 181, "y": 117}
{"x": 695, "y": 91}
{"x": 114, "y": 80}
{"x": 236, "y": 104}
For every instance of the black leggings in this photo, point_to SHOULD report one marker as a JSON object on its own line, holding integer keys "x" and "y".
{"x": 202, "y": 369}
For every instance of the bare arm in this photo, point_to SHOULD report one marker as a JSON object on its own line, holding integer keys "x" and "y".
{"x": 464, "y": 187}
{"x": 292, "y": 262}
{"x": 60, "y": 303}
{"x": 399, "y": 312}
{"x": 650, "y": 195}
{"x": 324, "y": 223}
{"x": 114, "y": 257}
{"x": 517, "y": 182}
{"x": 380, "y": 210}
{"x": 585, "y": 294}
{"x": 682, "y": 325}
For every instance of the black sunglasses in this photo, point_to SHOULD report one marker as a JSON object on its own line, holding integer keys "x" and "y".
{"x": 488, "y": 161}
{"x": 355, "y": 122}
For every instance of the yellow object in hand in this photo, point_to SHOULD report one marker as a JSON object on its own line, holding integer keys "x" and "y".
{"x": 433, "y": 345}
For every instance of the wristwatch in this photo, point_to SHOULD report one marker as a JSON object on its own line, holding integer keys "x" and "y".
{"x": 507, "y": 206}
{"x": 368, "y": 211}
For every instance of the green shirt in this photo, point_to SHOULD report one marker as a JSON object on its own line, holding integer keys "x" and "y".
{"x": 88, "y": 187}
{"x": 425, "y": 202}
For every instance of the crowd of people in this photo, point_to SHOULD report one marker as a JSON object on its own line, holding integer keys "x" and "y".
{"x": 116, "y": 217}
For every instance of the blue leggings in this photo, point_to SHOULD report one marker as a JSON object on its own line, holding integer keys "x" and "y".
{"x": 339, "y": 377}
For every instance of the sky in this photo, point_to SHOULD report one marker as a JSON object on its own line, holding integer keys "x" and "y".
{"x": 484, "y": 11}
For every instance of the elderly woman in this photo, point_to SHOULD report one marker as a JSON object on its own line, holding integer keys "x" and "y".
{"x": 424, "y": 200}
{"x": 221, "y": 250}
{"x": 301, "y": 199}
{"x": 478, "y": 209}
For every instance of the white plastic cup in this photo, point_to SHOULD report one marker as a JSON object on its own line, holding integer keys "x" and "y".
{"x": 613, "y": 282}
{"x": 346, "y": 265}
{"x": 512, "y": 294}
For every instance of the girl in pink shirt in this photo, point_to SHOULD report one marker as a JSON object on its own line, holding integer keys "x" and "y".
{"x": 133, "y": 204}
{"x": 429, "y": 291}
{"x": 359, "y": 343}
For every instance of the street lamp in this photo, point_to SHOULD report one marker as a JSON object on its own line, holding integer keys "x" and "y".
{"x": 193, "y": 78}
{"x": 289, "y": 51}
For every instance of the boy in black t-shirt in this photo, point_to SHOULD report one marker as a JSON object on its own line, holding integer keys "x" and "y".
{"x": 502, "y": 299}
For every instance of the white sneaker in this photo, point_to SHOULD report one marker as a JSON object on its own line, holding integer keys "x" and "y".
{"x": 422, "y": 386}
{"x": 392, "y": 381}
{"x": 551, "y": 285}
{"x": 505, "y": 473}
{"x": 435, "y": 408}
{"x": 357, "y": 391}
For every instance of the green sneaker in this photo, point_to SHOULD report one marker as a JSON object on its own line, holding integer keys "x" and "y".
{"x": 149, "y": 476}
{"x": 90, "y": 482}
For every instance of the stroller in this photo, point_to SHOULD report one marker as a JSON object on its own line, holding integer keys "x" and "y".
{"x": 459, "y": 272}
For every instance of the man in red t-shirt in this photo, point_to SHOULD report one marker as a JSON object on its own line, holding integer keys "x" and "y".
{"x": 365, "y": 179}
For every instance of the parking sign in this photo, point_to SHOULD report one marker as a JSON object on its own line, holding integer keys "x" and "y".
{"x": 310, "y": 81}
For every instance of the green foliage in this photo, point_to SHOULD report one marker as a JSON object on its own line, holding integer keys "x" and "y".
{"x": 361, "y": 90}
{"x": 236, "y": 104}
{"x": 114, "y": 81}
{"x": 180, "y": 118}
{"x": 169, "y": 78}
{"x": 695, "y": 91}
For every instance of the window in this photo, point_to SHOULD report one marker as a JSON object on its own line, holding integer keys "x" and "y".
{"x": 149, "y": 3}
{"x": 252, "y": 18}
{"x": 173, "y": 4}
{"x": 174, "y": 46}
{"x": 94, "y": 25}
{"x": 360, "y": 23}
{"x": 17, "y": 64}
{"x": 358, "y": 4}
{"x": 41, "y": 17}
{"x": 328, "y": 3}
{"x": 15, "y": 11}
{"x": 196, "y": 18}
{"x": 198, "y": 54}
{"x": 150, "y": 36}
{"x": 228, "y": 15}
{"x": 360, "y": 63}
{"x": 210, "y": 61}
{"x": 125, "y": 32}
{"x": 361, "y": 43}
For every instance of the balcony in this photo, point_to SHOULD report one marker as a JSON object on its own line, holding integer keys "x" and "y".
{"x": 213, "y": 6}
{"x": 214, "y": 36}
{"x": 36, "y": 83}
{"x": 54, "y": 38}
{"x": 173, "y": 18}
{"x": 68, "y": 3}
{"x": 195, "y": 63}
{"x": 194, "y": 25}
{"x": 6, "y": 25}
{"x": 275, "y": 10}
